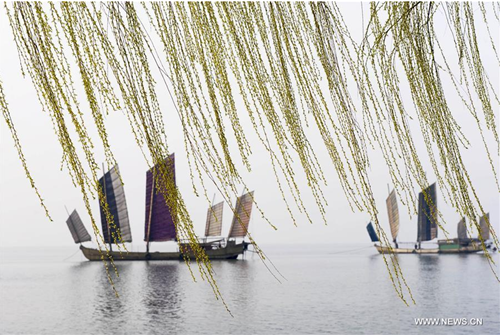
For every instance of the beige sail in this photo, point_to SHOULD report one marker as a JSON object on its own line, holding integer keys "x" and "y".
{"x": 241, "y": 219}
{"x": 214, "y": 220}
{"x": 393, "y": 212}
{"x": 485, "y": 226}
{"x": 462, "y": 230}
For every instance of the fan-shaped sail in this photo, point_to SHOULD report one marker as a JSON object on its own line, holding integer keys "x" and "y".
{"x": 117, "y": 204}
{"x": 241, "y": 218}
{"x": 372, "y": 232}
{"x": 485, "y": 227}
{"x": 159, "y": 225}
{"x": 214, "y": 220}
{"x": 427, "y": 214}
{"x": 462, "y": 230}
{"x": 393, "y": 212}
{"x": 77, "y": 228}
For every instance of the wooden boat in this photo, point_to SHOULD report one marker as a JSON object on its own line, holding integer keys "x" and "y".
{"x": 159, "y": 222}
{"x": 230, "y": 251}
{"x": 427, "y": 229}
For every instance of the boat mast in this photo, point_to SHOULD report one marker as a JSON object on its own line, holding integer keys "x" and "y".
{"x": 106, "y": 197}
{"x": 150, "y": 212}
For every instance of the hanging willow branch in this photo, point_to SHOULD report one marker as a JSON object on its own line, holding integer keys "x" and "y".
{"x": 281, "y": 57}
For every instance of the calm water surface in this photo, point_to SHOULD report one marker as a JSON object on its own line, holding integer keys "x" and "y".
{"x": 328, "y": 289}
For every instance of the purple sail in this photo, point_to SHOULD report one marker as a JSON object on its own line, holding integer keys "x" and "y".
{"x": 159, "y": 225}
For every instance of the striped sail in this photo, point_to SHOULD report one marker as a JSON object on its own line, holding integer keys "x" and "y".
{"x": 485, "y": 227}
{"x": 427, "y": 214}
{"x": 241, "y": 219}
{"x": 214, "y": 220}
{"x": 77, "y": 228}
{"x": 117, "y": 204}
{"x": 392, "y": 211}
{"x": 159, "y": 225}
{"x": 372, "y": 232}
{"x": 462, "y": 230}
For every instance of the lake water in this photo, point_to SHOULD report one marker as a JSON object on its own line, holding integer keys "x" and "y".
{"x": 336, "y": 289}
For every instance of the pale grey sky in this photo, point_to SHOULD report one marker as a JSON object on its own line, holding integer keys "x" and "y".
{"x": 22, "y": 220}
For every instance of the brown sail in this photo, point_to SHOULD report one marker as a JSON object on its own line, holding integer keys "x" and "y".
{"x": 241, "y": 219}
{"x": 214, "y": 220}
{"x": 393, "y": 213}
{"x": 427, "y": 214}
{"x": 485, "y": 226}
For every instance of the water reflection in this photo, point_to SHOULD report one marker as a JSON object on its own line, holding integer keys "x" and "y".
{"x": 110, "y": 309}
{"x": 150, "y": 296}
{"x": 429, "y": 263}
{"x": 428, "y": 285}
{"x": 429, "y": 273}
{"x": 162, "y": 296}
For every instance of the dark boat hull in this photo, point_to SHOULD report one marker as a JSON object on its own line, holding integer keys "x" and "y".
{"x": 230, "y": 251}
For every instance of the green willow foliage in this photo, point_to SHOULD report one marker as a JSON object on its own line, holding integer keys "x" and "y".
{"x": 279, "y": 54}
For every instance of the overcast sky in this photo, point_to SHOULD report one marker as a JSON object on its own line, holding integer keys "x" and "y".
{"x": 23, "y": 223}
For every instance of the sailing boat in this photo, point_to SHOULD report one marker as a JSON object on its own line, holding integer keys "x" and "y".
{"x": 239, "y": 226}
{"x": 213, "y": 227}
{"x": 159, "y": 222}
{"x": 463, "y": 243}
{"x": 427, "y": 228}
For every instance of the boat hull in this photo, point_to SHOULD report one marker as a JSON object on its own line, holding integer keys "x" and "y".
{"x": 460, "y": 250}
{"x": 230, "y": 251}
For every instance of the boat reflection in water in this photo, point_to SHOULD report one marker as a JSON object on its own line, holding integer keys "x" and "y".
{"x": 162, "y": 295}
